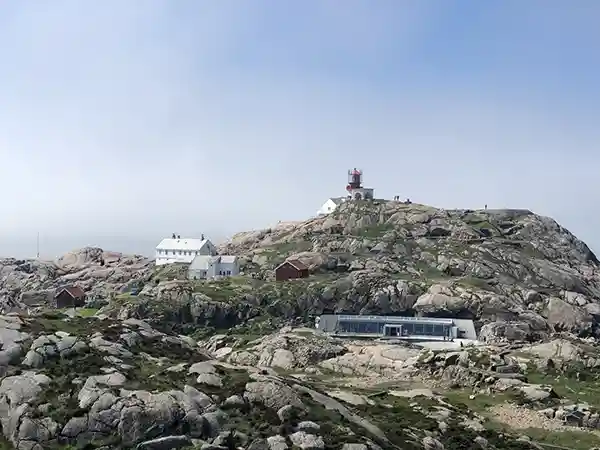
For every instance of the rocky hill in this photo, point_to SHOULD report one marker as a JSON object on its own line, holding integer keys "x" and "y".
{"x": 213, "y": 365}
{"x": 102, "y": 274}
{"x": 519, "y": 275}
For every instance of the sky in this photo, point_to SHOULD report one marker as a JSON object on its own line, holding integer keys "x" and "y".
{"x": 122, "y": 122}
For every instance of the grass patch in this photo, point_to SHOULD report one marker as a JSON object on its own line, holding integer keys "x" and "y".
{"x": 584, "y": 390}
{"x": 218, "y": 290}
{"x": 576, "y": 440}
{"x": 480, "y": 403}
{"x": 51, "y": 322}
{"x": 375, "y": 231}
{"x": 5, "y": 444}
{"x": 61, "y": 393}
{"x": 81, "y": 312}
{"x": 153, "y": 377}
{"x": 569, "y": 439}
{"x": 475, "y": 282}
{"x": 429, "y": 272}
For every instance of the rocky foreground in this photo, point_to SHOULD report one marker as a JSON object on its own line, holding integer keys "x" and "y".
{"x": 236, "y": 363}
{"x": 73, "y": 382}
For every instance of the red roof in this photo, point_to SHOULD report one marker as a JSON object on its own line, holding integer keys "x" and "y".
{"x": 298, "y": 265}
{"x": 73, "y": 291}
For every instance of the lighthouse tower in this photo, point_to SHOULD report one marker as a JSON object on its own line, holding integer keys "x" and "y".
{"x": 355, "y": 189}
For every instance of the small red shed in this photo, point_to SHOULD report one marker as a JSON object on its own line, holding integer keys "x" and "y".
{"x": 291, "y": 269}
{"x": 70, "y": 297}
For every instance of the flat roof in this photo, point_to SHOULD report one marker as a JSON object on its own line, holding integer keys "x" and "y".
{"x": 391, "y": 319}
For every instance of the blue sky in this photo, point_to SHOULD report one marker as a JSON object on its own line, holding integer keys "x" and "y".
{"x": 121, "y": 122}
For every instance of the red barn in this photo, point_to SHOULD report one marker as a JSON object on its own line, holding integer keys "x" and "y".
{"x": 291, "y": 269}
{"x": 70, "y": 297}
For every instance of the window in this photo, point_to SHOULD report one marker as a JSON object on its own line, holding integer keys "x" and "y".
{"x": 229, "y": 272}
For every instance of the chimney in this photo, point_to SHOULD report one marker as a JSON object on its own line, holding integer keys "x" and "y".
{"x": 202, "y": 237}
{"x": 178, "y": 236}
{"x": 173, "y": 236}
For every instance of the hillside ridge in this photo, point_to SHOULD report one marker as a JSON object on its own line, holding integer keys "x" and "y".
{"x": 157, "y": 360}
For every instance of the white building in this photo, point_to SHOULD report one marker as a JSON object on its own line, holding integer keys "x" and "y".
{"x": 354, "y": 190}
{"x": 361, "y": 193}
{"x": 207, "y": 266}
{"x": 330, "y": 205}
{"x": 182, "y": 250}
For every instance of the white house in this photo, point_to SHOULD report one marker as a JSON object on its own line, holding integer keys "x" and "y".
{"x": 182, "y": 250}
{"x": 207, "y": 266}
{"x": 330, "y": 205}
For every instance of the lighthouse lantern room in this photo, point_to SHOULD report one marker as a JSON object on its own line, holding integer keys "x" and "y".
{"x": 355, "y": 189}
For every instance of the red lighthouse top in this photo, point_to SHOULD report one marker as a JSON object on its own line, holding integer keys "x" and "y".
{"x": 354, "y": 179}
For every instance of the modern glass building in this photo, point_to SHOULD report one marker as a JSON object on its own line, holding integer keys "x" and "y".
{"x": 396, "y": 327}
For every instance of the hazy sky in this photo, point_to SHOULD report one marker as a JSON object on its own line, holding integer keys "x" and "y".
{"x": 122, "y": 121}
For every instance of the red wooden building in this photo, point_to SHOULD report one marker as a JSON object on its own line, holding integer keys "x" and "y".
{"x": 70, "y": 297}
{"x": 291, "y": 269}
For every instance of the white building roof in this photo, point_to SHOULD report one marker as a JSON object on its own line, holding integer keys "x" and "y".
{"x": 337, "y": 200}
{"x": 181, "y": 244}
{"x": 228, "y": 259}
{"x": 201, "y": 262}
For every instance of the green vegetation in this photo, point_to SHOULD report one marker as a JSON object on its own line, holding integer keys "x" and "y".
{"x": 81, "y": 312}
{"x": 218, "y": 290}
{"x": 53, "y": 321}
{"x": 479, "y": 403}
{"x": 279, "y": 252}
{"x": 375, "y": 231}
{"x": 168, "y": 272}
{"x": 61, "y": 393}
{"x": 428, "y": 272}
{"x": 586, "y": 389}
{"x": 399, "y": 418}
{"x": 479, "y": 283}
{"x": 86, "y": 312}
{"x": 571, "y": 439}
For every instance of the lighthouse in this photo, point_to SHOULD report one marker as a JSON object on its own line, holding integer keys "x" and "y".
{"x": 355, "y": 188}
{"x": 354, "y": 191}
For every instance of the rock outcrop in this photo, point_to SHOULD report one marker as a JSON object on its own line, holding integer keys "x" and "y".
{"x": 31, "y": 283}
{"x": 520, "y": 276}
{"x": 100, "y": 383}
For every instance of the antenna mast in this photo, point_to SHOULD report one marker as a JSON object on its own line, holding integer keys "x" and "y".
{"x": 38, "y": 246}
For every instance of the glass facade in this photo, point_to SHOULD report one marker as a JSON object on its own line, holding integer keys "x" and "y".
{"x": 408, "y": 328}
{"x": 366, "y": 327}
